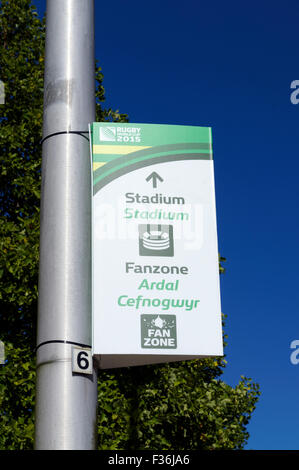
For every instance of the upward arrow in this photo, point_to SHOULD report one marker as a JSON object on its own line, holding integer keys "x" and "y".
{"x": 154, "y": 177}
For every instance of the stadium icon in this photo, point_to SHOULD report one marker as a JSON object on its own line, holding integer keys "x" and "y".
{"x": 155, "y": 240}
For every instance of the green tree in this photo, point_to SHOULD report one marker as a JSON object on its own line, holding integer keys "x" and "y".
{"x": 172, "y": 406}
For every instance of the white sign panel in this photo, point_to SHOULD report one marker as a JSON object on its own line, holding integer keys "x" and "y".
{"x": 156, "y": 295}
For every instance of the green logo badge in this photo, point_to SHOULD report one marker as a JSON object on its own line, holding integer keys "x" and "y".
{"x": 158, "y": 331}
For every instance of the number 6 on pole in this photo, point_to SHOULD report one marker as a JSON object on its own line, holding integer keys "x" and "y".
{"x": 81, "y": 360}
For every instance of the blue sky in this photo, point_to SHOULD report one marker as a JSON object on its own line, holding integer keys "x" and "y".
{"x": 229, "y": 65}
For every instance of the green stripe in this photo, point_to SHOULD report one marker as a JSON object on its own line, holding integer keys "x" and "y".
{"x": 101, "y": 157}
{"x": 123, "y": 161}
{"x": 141, "y": 163}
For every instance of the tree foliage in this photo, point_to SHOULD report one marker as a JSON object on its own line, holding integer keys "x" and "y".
{"x": 171, "y": 406}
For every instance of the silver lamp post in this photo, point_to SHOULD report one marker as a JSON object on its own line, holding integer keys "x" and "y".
{"x": 66, "y": 402}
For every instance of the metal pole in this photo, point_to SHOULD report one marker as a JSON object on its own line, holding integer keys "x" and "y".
{"x": 66, "y": 402}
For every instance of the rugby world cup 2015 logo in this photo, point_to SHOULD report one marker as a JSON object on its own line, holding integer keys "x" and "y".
{"x": 107, "y": 134}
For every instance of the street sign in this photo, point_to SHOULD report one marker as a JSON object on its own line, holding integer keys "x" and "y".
{"x": 156, "y": 295}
